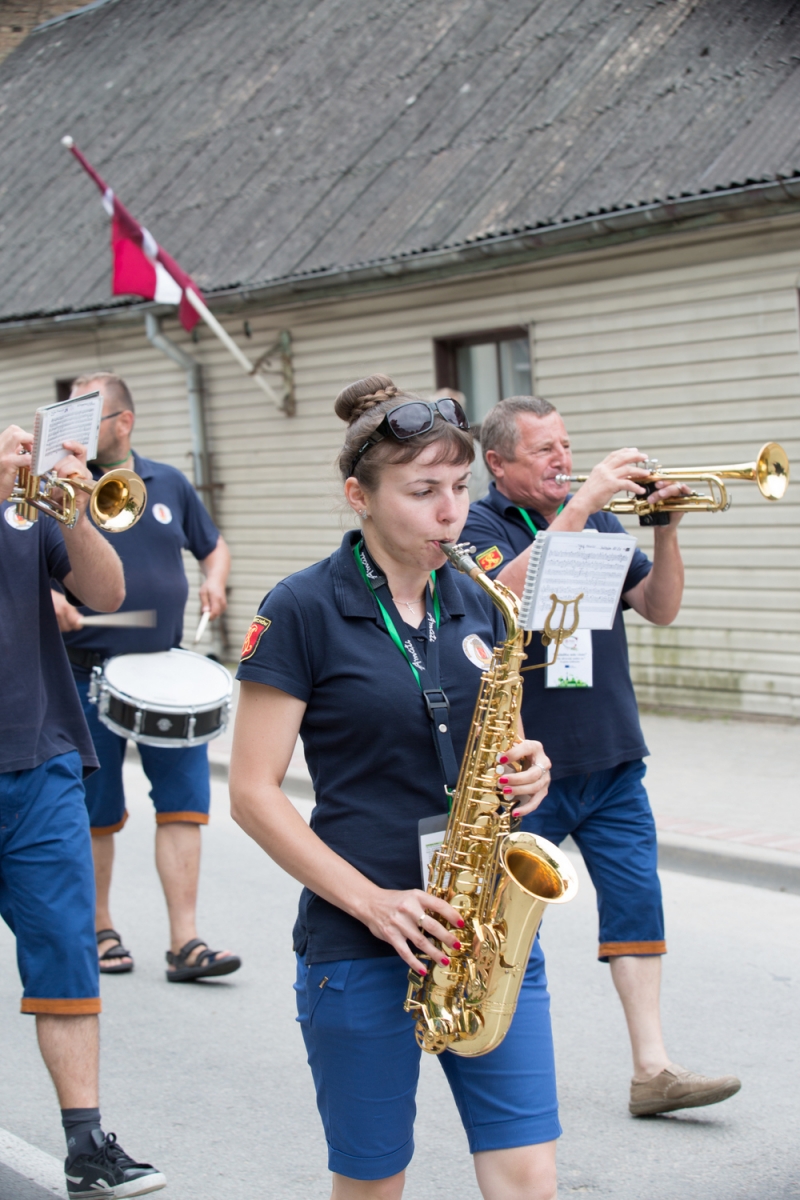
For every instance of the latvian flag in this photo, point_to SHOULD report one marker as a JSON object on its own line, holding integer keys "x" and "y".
{"x": 141, "y": 267}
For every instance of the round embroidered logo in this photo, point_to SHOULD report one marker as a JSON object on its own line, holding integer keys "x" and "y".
{"x": 477, "y": 651}
{"x": 16, "y": 521}
{"x": 162, "y": 514}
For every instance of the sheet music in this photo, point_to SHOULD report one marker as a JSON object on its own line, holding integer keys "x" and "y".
{"x": 75, "y": 420}
{"x": 566, "y": 564}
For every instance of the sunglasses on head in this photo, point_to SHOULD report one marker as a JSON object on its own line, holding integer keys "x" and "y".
{"x": 412, "y": 418}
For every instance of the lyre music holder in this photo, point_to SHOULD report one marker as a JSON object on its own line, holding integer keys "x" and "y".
{"x": 560, "y": 632}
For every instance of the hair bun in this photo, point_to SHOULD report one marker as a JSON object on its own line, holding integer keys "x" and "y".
{"x": 358, "y": 398}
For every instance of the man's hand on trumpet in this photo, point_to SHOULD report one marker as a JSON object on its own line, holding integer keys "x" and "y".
{"x": 665, "y": 489}
{"x": 74, "y": 464}
{"x": 622, "y": 471}
{"x": 15, "y": 452}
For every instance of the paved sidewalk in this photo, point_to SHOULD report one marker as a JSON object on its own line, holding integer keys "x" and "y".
{"x": 724, "y": 792}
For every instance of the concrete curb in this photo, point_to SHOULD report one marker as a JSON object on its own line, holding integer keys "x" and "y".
{"x": 28, "y": 1173}
{"x": 776, "y": 870}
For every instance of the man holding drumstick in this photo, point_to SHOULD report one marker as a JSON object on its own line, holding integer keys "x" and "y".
{"x": 175, "y": 519}
{"x": 46, "y": 885}
{"x": 592, "y": 732}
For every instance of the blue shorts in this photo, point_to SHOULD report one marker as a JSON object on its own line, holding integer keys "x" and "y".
{"x": 609, "y": 816}
{"x": 47, "y": 886}
{"x": 365, "y": 1062}
{"x": 179, "y": 782}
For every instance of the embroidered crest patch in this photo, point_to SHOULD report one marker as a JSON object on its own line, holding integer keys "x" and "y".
{"x": 162, "y": 513}
{"x": 489, "y": 559}
{"x": 477, "y": 651}
{"x": 253, "y": 636}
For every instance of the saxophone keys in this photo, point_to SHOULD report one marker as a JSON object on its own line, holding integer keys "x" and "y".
{"x": 465, "y": 882}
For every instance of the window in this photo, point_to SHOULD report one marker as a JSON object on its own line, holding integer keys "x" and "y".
{"x": 63, "y": 388}
{"x": 485, "y": 367}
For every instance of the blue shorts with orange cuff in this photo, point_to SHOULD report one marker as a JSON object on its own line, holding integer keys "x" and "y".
{"x": 365, "y": 1062}
{"x": 179, "y": 782}
{"x": 609, "y": 816}
{"x": 47, "y": 886}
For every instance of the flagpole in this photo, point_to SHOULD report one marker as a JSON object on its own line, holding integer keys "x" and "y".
{"x": 211, "y": 321}
{"x": 171, "y": 266}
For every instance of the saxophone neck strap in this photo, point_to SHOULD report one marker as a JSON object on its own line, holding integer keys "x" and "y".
{"x": 437, "y": 705}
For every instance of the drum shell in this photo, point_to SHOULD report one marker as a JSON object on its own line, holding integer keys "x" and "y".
{"x": 156, "y": 723}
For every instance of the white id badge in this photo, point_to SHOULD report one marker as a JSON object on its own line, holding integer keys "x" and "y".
{"x": 431, "y": 836}
{"x": 573, "y": 667}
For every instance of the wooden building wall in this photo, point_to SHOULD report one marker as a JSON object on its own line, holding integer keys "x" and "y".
{"x": 689, "y": 351}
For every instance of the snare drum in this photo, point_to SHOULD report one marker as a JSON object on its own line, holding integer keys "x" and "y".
{"x": 171, "y": 698}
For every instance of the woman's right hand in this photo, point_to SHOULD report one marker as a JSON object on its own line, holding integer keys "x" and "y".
{"x": 414, "y": 916}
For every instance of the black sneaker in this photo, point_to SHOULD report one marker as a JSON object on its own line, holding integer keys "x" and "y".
{"x": 110, "y": 1172}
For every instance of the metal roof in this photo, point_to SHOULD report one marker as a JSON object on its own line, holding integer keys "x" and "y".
{"x": 262, "y": 141}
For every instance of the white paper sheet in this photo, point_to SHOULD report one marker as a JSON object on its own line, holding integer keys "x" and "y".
{"x": 75, "y": 420}
{"x": 566, "y": 564}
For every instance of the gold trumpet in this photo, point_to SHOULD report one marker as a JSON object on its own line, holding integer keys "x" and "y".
{"x": 770, "y": 472}
{"x": 117, "y": 501}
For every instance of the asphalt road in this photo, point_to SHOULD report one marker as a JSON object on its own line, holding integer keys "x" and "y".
{"x": 210, "y": 1082}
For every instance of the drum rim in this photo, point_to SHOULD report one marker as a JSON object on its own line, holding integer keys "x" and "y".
{"x": 105, "y": 685}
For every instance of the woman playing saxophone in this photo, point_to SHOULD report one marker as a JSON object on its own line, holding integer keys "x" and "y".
{"x": 374, "y": 657}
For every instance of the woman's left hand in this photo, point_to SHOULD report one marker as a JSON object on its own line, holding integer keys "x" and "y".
{"x": 528, "y": 785}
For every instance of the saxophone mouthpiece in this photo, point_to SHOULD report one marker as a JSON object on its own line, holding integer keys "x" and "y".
{"x": 459, "y": 554}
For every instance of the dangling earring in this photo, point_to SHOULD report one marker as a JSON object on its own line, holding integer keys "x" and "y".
{"x": 363, "y": 514}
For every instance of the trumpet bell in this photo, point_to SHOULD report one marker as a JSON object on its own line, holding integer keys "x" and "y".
{"x": 117, "y": 501}
{"x": 771, "y": 471}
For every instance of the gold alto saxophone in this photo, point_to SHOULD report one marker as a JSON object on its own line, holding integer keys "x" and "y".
{"x": 498, "y": 880}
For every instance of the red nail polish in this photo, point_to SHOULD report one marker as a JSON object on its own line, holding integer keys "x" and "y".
{"x": 421, "y": 971}
{"x": 445, "y": 962}
{"x": 456, "y": 945}
{"x": 460, "y": 924}
{"x": 506, "y": 791}
{"x": 503, "y": 758}
{"x": 516, "y": 813}
{"x": 503, "y": 779}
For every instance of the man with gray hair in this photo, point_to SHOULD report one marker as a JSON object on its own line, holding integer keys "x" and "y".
{"x": 591, "y": 729}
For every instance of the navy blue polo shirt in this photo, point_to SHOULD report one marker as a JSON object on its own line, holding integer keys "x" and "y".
{"x": 40, "y": 714}
{"x": 582, "y": 729}
{"x": 174, "y": 519}
{"x": 366, "y": 732}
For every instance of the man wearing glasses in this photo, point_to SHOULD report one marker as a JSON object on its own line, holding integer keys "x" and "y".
{"x": 592, "y": 732}
{"x": 175, "y": 519}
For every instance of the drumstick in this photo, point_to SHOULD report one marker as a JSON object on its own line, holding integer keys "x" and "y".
{"x": 144, "y": 618}
{"x": 201, "y": 628}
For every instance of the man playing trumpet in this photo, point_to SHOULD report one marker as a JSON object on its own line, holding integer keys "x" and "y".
{"x": 592, "y": 732}
{"x": 46, "y": 881}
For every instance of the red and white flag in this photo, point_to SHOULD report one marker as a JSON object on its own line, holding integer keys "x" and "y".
{"x": 141, "y": 267}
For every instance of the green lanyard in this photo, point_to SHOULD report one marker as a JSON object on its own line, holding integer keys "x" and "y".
{"x": 390, "y": 625}
{"x": 530, "y": 523}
